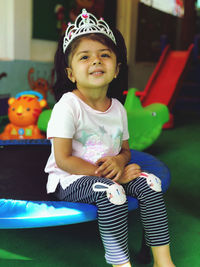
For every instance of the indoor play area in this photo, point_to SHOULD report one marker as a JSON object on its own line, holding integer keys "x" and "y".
{"x": 162, "y": 100}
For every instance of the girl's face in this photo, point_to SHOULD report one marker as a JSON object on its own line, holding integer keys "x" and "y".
{"x": 92, "y": 65}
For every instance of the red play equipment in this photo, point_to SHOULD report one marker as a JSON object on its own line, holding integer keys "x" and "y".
{"x": 166, "y": 79}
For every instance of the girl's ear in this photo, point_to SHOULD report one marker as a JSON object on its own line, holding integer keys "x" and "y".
{"x": 70, "y": 75}
{"x": 117, "y": 70}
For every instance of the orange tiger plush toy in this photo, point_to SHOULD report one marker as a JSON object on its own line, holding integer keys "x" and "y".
{"x": 23, "y": 113}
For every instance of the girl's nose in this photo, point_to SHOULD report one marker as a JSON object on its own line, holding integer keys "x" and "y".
{"x": 96, "y": 61}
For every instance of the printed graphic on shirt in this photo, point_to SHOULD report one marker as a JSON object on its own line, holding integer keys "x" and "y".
{"x": 100, "y": 144}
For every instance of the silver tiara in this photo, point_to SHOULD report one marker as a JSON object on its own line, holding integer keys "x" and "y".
{"x": 86, "y": 23}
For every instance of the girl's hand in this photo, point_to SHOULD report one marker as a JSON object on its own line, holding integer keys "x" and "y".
{"x": 131, "y": 172}
{"x": 110, "y": 167}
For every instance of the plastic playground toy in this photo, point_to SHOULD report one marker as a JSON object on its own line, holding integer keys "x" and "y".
{"x": 144, "y": 123}
{"x": 23, "y": 113}
{"x": 167, "y": 78}
{"x": 43, "y": 119}
{"x": 24, "y": 204}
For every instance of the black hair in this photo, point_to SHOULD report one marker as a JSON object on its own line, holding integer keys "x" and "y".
{"x": 61, "y": 62}
{"x": 120, "y": 84}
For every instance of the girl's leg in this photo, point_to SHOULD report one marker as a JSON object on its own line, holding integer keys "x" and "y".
{"x": 128, "y": 264}
{"x": 154, "y": 219}
{"x": 162, "y": 257}
{"x": 112, "y": 219}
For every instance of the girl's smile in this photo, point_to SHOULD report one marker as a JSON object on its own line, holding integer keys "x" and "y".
{"x": 97, "y": 72}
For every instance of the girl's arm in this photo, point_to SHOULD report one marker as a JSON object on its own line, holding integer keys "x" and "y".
{"x": 69, "y": 163}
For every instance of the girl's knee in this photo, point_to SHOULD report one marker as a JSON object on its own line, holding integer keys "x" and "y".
{"x": 152, "y": 181}
{"x": 114, "y": 192}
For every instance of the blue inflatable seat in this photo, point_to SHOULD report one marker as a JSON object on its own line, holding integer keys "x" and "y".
{"x": 23, "y": 199}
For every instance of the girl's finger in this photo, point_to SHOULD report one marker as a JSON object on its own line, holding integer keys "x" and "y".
{"x": 111, "y": 175}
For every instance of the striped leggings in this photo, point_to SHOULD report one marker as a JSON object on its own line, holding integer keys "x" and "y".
{"x": 113, "y": 219}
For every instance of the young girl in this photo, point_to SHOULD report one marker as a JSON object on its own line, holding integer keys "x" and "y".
{"x": 90, "y": 148}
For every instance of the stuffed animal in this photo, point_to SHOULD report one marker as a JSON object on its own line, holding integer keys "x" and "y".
{"x": 23, "y": 113}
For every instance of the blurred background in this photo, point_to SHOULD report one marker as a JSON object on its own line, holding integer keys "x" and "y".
{"x": 30, "y": 30}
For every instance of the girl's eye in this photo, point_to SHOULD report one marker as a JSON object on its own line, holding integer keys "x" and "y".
{"x": 105, "y": 55}
{"x": 84, "y": 58}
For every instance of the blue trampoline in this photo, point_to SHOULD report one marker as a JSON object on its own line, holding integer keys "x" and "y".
{"x": 23, "y": 199}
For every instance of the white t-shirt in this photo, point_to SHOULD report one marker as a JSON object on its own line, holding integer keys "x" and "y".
{"x": 94, "y": 134}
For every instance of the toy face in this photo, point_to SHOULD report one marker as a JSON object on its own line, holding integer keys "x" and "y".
{"x": 24, "y": 111}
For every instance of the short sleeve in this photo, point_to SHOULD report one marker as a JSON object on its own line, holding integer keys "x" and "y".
{"x": 62, "y": 121}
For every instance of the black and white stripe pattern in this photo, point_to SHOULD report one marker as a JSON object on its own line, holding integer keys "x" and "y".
{"x": 113, "y": 219}
{"x": 152, "y": 211}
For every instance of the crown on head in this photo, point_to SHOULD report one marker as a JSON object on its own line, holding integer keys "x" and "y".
{"x": 86, "y": 23}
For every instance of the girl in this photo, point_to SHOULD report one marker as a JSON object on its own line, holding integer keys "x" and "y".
{"x": 90, "y": 148}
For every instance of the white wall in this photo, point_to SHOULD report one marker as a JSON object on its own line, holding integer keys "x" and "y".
{"x": 42, "y": 50}
{"x": 16, "y": 33}
{"x": 6, "y": 29}
{"x": 15, "y": 28}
